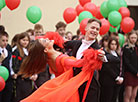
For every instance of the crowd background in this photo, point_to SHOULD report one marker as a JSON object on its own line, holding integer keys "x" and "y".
{"x": 21, "y": 37}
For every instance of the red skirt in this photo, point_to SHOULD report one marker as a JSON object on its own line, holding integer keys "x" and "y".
{"x": 130, "y": 79}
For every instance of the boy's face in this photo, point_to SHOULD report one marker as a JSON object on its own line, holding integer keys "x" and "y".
{"x": 38, "y": 32}
{"x": 3, "y": 41}
{"x": 92, "y": 30}
{"x": 61, "y": 31}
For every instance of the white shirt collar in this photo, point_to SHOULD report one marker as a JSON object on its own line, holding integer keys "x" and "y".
{"x": 25, "y": 51}
{"x": 88, "y": 42}
{"x": 85, "y": 45}
{"x": 114, "y": 53}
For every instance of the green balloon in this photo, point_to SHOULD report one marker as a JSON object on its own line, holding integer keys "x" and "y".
{"x": 1, "y": 4}
{"x": 113, "y": 5}
{"x": 114, "y": 18}
{"x": 122, "y": 3}
{"x": 4, "y": 4}
{"x": 34, "y": 14}
{"x": 4, "y": 73}
{"x": 104, "y": 10}
{"x": 83, "y": 15}
{"x": 121, "y": 39}
{"x": 114, "y": 29}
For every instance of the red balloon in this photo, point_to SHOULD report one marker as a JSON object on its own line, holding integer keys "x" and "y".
{"x": 105, "y": 26}
{"x": 91, "y": 7}
{"x": 69, "y": 15}
{"x": 124, "y": 12}
{"x": 99, "y": 15}
{"x": 12, "y": 4}
{"x": 127, "y": 24}
{"x": 79, "y": 9}
{"x": 2, "y": 83}
{"x": 83, "y": 25}
{"x": 83, "y": 2}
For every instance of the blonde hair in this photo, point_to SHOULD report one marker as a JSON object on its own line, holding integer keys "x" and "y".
{"x": 128, "y": 38}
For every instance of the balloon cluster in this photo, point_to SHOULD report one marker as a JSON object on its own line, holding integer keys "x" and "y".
{"x": 118, "y": 15}
{"x": 113, "y": 14}
{"x": 4, "y": 74}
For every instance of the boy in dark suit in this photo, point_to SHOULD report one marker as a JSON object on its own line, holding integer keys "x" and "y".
{"x": 78, "y": 46}
{"x": 6, "y": 94}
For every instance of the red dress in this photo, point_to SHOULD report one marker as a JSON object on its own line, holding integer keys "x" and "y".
{"x": 64, "y": 88}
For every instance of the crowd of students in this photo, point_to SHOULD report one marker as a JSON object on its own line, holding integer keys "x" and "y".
{"x": 117, "y": 80}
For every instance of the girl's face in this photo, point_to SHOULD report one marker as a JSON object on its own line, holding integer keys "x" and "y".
{"x": 105, "y": 43}
{"x": 133, "y": 38}
{"x": 47, "y": 43}
{"x": 113, "y": 45}
{"x": 24, "y": 42}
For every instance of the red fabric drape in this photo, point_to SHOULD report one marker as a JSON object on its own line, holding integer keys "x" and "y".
{"x": 64, "y": 88}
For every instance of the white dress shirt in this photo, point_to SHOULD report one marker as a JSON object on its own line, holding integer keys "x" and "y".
{"x": 25, "y": 51}
{"x": 85, "y": 45}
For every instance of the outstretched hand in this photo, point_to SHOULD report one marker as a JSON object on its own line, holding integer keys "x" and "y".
{"x": 101, "y": 54}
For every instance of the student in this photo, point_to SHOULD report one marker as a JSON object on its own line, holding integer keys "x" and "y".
{"x": 38, "y": 30}
{"x": 65, "y": 86}
{"x": 31, "y": 34}
{"x": 61, "y": 28}
{"x": 6, "y": 60}
{"x": 78, "y": 46}
{"x": 23, "y": 86}
{"x": 69, "y": 35}
{"x": 111, "y": 77}
{"x": 130, "y": 63}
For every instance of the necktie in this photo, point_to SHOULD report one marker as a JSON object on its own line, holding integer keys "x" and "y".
{"x": 2, "y": 50}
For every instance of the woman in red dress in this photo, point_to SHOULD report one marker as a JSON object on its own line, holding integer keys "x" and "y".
{"x": 63, "y": 88}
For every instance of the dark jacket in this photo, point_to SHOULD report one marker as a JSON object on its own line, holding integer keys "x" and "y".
{"x": 94, "y": 89}
{"x": 110, "y": 70}
{"x": 130, "y": 59}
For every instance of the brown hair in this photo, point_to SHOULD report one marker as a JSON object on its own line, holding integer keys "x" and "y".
{"x": 4, "y": 33}
{"x": 94, "y": 20}
{"x": 14, "y": 40}
{"x": 110, "y": 41}
{"x": 60, "y": 24}
{"x": 78, "y": 32}
{"x": 21, "y": 36}
{"x": 38, "y": 27}
{"x": 35, "y": 62}
{"x": 104, "y": 38}
{"x": 30, "y": 31}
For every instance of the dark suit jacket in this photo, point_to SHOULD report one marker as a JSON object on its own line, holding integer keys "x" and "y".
{"x": 110, "y": 71}
{"x": 93, "y": 92}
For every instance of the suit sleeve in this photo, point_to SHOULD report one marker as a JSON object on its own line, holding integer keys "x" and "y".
{"x": 69, "y": 44}
{"x": 113, "y": 62}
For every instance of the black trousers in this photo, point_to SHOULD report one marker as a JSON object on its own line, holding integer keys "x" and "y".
{"x": 109, "y": 93}
{"x": 93, "y": 94}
